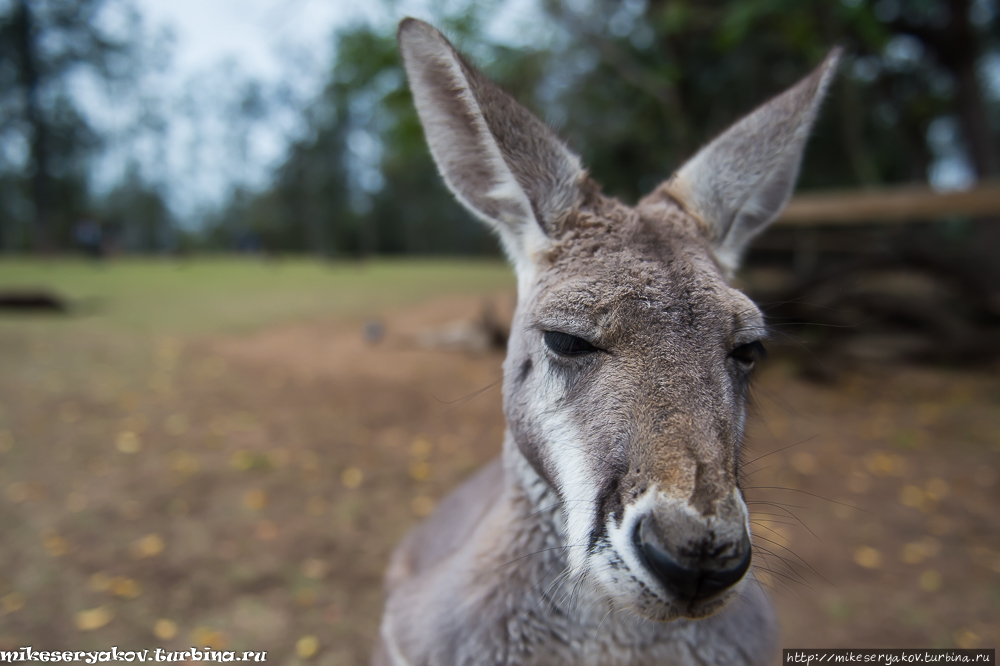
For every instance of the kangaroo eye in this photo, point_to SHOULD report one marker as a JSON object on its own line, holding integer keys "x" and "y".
{"x": 748, "y": 354}
{"x": 568, "y": 345}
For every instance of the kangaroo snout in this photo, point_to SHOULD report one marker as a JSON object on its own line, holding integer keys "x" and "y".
{"x": 694, "y": 558}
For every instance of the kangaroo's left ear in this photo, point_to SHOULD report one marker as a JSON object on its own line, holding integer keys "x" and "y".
{"x": 497, "y": 158}
{"x": 739, "y": 183}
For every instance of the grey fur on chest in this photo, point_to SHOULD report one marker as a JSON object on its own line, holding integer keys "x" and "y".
{"x": 504, "y": 597}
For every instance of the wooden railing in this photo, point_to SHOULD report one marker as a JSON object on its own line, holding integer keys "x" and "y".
{"x": 897, "y": 204}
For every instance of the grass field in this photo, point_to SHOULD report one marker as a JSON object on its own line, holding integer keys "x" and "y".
{"x": 232, "y": 295}
{"x": 209, "y": 453}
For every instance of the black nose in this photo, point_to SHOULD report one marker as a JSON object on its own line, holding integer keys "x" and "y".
{"x": 701, "y": 577}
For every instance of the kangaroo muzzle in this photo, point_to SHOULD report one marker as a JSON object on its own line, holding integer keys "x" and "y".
{"x": 700, "y": 578}
{"x": 695, "y": 558}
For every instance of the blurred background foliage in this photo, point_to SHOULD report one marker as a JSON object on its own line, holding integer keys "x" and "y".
{"x": 634, "y": 86}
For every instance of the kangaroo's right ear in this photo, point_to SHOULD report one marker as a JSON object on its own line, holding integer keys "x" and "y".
{"x": 498, "y": 159}
{"x": 739, "y": 183}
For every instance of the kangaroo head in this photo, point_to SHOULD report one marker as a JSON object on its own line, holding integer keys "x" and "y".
{"x": 630, "y": 354}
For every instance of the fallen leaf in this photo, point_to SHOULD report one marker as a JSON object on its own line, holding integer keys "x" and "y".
{"x": 183, "y": 462}
{"x": 867, "y": 557}
{"x": 150, "y": 545}
{"x": 56, "y": 545}
{"x": 966, "y": 639}
{"x": 165, "y": 629}
{"x": 125, "y": 587}
{"x": 352, "y": 477}
{"x": 420, "y": 448}
{"x": 420, "y": 471}
{"x": 883, "y": 464}
{"x": 306, "y": 647}
{"x": 255, "y": 500}
{"x": 205, "y": 637}
{"x": 95, "y": 618}
{"x": 128, "y": 442}
{"x": 11, "y": 602}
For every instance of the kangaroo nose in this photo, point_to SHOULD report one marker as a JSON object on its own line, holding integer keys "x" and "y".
{"x": 699, "y": 578}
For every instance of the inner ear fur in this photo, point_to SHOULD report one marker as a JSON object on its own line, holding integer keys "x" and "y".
{"x": 497, "y": 158}
{"x": 740, "y": 182}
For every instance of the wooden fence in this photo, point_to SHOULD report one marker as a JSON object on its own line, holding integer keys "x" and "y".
{"x": 890, "y": 205}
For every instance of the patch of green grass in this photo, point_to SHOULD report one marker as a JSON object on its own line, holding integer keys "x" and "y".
{"x": 232, "y": 294}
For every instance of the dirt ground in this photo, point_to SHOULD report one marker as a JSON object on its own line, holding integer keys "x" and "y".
{"x": 246, "y": 491}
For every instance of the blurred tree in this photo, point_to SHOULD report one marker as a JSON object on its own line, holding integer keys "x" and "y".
{"x": 946, "y": 30}
{"x": 665, "y": 76}
{"x": 635, "y": 87}
{"x": 136, "y": 217}
{"x": 361, "y": 180}
{"x": 45, "y": 45}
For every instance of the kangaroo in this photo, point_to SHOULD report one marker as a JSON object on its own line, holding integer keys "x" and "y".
{"x": 612, "y": 529}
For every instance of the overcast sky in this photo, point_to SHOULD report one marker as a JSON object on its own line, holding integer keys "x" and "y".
{"x": 250, "y": 31}
{"x": 216, "y": 46}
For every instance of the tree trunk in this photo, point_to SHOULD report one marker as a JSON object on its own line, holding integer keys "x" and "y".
{"x": 30, "y": 78}
{"x": 975, "y": 126}
{"x": 962, "y": 53}
{"x": 958, "y": 50}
